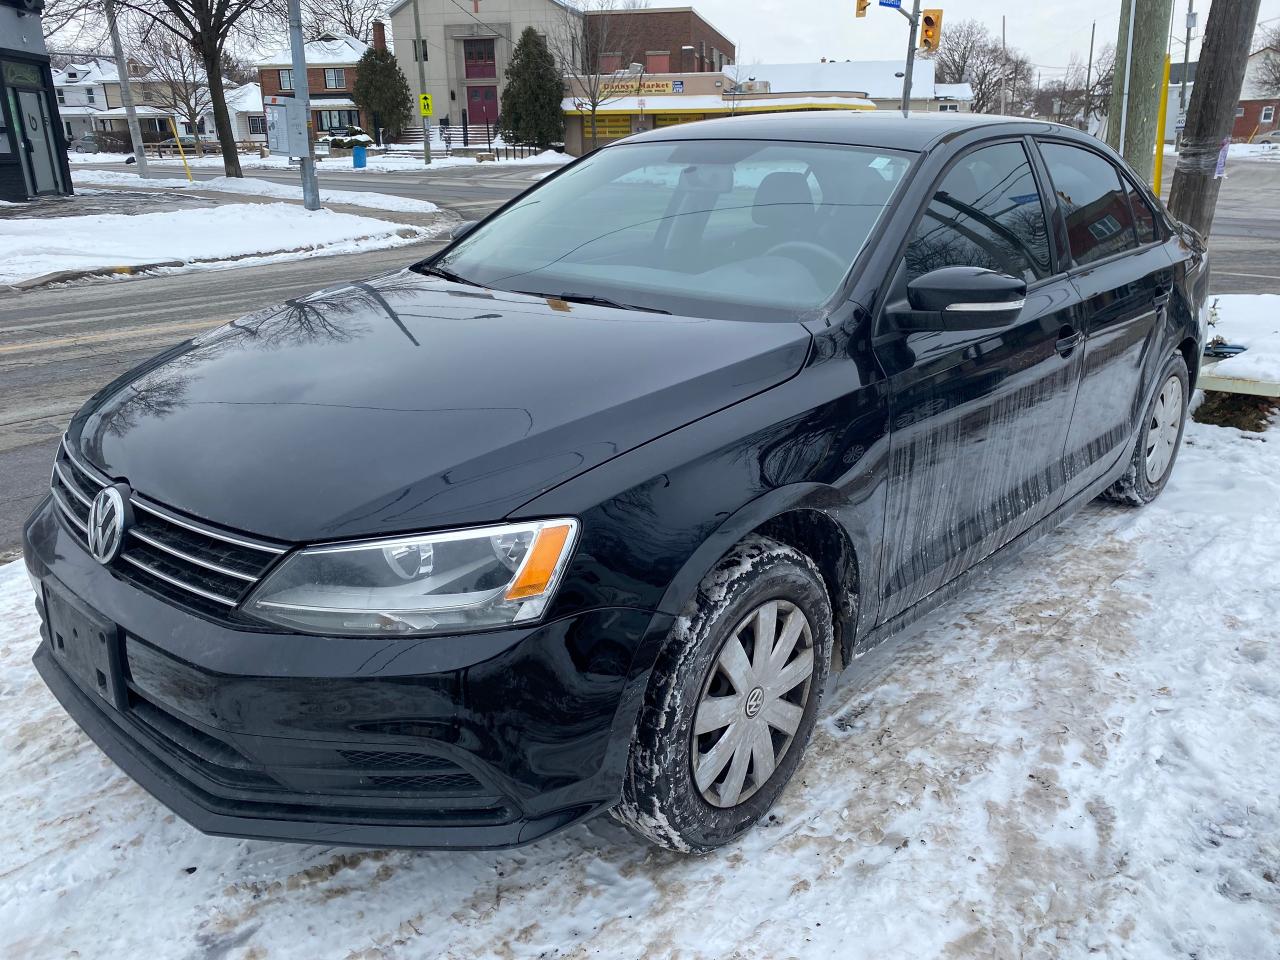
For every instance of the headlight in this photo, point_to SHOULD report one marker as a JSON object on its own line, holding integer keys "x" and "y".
{"x": 435, "y": 583}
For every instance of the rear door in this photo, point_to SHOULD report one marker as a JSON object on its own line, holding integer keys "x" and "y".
{"x": 979, "y": 417}
{"x": 1123, "y": 275}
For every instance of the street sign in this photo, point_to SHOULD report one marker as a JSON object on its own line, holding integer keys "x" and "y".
{"x": 895, "y": 4}
{"x": 424, "y": 104}
{"x": 1182, "y": 122}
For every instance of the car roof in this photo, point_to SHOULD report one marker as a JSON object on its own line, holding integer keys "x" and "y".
{"x": 881, "y": 128}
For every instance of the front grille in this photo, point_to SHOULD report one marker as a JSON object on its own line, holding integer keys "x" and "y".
{"x": 177, "y": 557}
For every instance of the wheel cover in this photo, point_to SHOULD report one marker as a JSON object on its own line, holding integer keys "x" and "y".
{"x": 751, "y": 703}
{"x": 1163, "y": 427}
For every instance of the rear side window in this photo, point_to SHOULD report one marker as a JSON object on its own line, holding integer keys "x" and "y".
{"x": 986, "y": 212}
{"x": 1144, "y": 218}
{"x": 1099, "y": 219}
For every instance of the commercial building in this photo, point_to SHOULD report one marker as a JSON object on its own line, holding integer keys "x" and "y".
{"x": 630, "y": 102}
{"x": 660, "y": 39}
{"x": 331, "y": 74}
{"x": 33, "y": 150}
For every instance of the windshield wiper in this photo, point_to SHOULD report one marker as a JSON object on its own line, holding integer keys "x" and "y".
{"x": 444, "y": 274}
{"x": 588, "y": 298}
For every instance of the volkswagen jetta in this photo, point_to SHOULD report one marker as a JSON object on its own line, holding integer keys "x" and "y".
{"x": 575, "y": 515}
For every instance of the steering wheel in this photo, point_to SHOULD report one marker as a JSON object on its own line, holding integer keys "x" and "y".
{"x": 790, "y": 247}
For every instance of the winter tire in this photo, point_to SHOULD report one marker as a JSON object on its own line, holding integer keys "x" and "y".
{"x": 732, "y": 701}
{"x": 1158, "y": 440}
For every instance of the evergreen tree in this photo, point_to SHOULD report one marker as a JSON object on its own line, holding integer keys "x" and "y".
{"x": 382, "y": 92}
{"x": 531, "y": 111}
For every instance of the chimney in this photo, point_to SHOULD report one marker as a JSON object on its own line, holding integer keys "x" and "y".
{"x": 379, "y": 35}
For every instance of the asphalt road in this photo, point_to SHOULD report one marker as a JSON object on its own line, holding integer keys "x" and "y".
{"x": 58, "y": 345}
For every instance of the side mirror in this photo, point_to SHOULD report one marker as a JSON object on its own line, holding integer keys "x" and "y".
{"x": 962, "y": 298}
{"x": 462, "y": 229}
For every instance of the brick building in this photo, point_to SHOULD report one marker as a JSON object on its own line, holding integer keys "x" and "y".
{"x": 661, "y": 39}
{"x": 1258, "y": 110}
{"x": 331, "y": 74}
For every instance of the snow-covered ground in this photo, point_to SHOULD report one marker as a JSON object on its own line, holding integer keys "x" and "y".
{"x": 1077, "y": 759}
{"x": 1252, "y": 321}
{"x": 386, "y": 163}
{"x": 253, "y": 187}
{"x": 247, "y": 232}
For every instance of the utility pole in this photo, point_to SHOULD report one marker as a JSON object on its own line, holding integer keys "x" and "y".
{"x": 1088, "y": 78}
{"x": 420, "y": 55}
{"x": 1224, "y": 55}
{"x": 126, "y": 92}
{"x": 307, "y": 162}
{"x": 1186, "y": 57}
{"x": 1135, "y": 99}
{"x": 1004, "y": 70}
{"x": 913, "y": 18}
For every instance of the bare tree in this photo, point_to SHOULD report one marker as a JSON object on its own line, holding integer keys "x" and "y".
{"x": 352, "y": 17}
{"x": 1268, "y": 70}
{"x": 175, "y": 79}
{"x": 206, "y": 26}
{"x": 971, "y": 54}
{"x": 73, "y": 24}
{"x": 585, "y": 44}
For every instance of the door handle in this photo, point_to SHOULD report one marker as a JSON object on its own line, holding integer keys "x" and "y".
{"x": 1068, "y": 339}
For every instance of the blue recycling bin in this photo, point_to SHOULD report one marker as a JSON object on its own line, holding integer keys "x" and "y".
{"x": 358, "y": 157}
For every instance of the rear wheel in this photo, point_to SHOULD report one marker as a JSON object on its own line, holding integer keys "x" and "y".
{"x": 1158, "y": 440}
{"x": 732, "y": 701}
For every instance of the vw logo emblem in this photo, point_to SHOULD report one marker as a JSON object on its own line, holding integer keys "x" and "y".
{"x": 108, "y": 515}
{"x": 755, "y": 700}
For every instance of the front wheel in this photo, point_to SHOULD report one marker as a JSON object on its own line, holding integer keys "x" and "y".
{"x": 732, "y": 701}
{"x": 1158, "y": 439}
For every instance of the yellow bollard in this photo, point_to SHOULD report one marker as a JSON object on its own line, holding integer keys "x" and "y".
{"x": 190, "y": 179}
{"x": 1158, "y": 170}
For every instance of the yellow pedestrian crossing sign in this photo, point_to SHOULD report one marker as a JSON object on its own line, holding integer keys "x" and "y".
{"x": 424, "y": 104}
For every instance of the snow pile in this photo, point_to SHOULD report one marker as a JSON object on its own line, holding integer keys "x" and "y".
{"x": 403, "y": 158}
{"x": 1077, "y": 759}
{"x": 1253, "y": 321}
{"x": 250, "y": 186}
{"x": 35, "y": 247}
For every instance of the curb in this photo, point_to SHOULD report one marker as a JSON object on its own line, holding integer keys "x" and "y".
{"x": 62, "y": 276}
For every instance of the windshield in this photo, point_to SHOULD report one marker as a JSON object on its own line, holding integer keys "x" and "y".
{"x": 715, "y": 228}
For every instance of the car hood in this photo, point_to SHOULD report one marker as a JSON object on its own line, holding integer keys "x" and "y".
{"x": 408, "y": 402}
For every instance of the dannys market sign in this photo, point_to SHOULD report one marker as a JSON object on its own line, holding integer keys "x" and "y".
{"x": 638, "y": 87}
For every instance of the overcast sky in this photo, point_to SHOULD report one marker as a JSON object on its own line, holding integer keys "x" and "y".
{"x": 1048, "y": 32}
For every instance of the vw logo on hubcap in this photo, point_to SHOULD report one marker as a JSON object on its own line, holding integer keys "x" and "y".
{"x": 106, "y": 526}
{"x": 755, "y": 700}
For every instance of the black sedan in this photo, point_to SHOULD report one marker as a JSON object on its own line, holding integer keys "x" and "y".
{"x": 575, "y": 515}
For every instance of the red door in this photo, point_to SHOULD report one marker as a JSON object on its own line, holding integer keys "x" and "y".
{"x": 482, "y": 104}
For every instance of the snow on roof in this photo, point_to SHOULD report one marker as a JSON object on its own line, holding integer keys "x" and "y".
{"x": 86, "y": 74}
{"x": 953, "y": 91}
{"x": 875, "y": 78}
{"x": 329, "y": 50}
{"x": 245, "y": 99}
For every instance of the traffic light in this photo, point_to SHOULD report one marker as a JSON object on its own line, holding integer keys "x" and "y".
{"x": 930, "y": 30}
{"x": 861, "y": 10}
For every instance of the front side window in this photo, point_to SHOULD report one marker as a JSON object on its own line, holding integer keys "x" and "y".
{"x": 1093, "y": 200}
{"x": 335, "y": 78}
{"x": 1268, "y": 113}
{"x": 949, "y": 108}
{"x": 716, "y": 228}
{"x": 90, "y": 96}
{"x": 257, "y": 124}
{"x": 986, "y": 212}
{"x": 286, "y": 79}
{"x": 62, "y": 96}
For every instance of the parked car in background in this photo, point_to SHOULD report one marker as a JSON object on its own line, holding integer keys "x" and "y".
{"x": 574, "y": 515}
{"x": 1271, "y": 136}
{"x": 190, "y": 145}
{"x": 85, "y": 143}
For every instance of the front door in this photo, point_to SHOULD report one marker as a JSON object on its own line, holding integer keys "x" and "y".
{"x": 1123, "y": 275}
{"x": 38, "y": 141}
{"x": 978, "y": 418}
{"x": 482, "y": 105}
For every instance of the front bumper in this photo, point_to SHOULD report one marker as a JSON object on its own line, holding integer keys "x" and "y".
{"x": 486, "y": 740}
